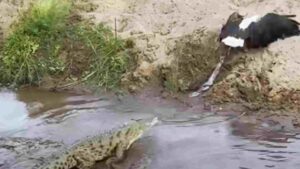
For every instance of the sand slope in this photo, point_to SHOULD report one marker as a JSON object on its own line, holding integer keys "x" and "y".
{"x": 157, "y": 27}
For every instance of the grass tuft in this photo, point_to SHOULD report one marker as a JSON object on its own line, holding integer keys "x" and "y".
{"x": 50, "y": 40}
{"x": 109, "y": 60}
{"x": 31, "y": 49}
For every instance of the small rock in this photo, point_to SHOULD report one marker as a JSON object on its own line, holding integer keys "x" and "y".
{"x": 132, "y": 88}
{"x": 34, "y": 107}
{"x": 276, "y": 98}
{"x": 165, "y": 31}
{"x": 164, "y": 95}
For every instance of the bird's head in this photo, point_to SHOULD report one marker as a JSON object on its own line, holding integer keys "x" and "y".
{"x": 231, "y": 25}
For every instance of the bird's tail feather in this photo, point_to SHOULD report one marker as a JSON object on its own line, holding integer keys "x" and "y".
{"x": 296, "y": 22}
{"x": 289, "y": 16}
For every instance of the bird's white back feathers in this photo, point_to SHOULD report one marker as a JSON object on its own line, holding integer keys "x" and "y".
{"x": 233, "y": 42}
{"x": 247, "y": 21}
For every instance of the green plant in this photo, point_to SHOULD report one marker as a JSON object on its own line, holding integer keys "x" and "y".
{"x": 31, "y": 50}
{"x": 34, "y": 48}
{"x": 45, "y": 18}
{"x": 109, "y": 58}
{"x": 171, "y": 86}
{"x": 17, "y": 61}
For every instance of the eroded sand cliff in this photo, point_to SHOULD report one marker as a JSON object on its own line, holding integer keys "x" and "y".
{"x": 177, "y": 40}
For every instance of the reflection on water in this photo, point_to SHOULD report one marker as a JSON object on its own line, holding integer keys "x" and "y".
{"x": 13, "y": 113}
{"x": 183, "y": 140}
{"x": 272, "y": 149}
{"x": 56, "y": 103}
{"x": 222, "y": 145}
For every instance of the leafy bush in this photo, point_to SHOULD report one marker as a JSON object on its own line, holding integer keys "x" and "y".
{"x": 45, "y": 18}
{"x": 31, "y": 49}
{"x": 19, "y": 65}
{"x": 34, "y": 48}
{"x": 109, "y": 58}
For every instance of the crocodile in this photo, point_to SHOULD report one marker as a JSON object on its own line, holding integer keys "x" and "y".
{"x": 109, "y": 146}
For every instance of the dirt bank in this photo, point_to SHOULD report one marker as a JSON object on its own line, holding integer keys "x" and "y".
{"x": 268, "y": 78}
{"x": 176, "y": 42}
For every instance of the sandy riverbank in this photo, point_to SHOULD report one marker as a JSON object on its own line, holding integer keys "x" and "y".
{"x": 176, "y": 41}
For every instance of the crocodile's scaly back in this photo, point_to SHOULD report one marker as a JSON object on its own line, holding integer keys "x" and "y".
{"x": 84, "y": 154}
{"x": 64, "y": 160}
{"x": 113, "y": 143}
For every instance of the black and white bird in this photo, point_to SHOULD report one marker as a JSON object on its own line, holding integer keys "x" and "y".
{"x": 256, "y": 31}
{"x": 253, "y": 32}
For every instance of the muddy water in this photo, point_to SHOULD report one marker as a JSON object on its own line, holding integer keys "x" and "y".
{"x": 37, "y": 123}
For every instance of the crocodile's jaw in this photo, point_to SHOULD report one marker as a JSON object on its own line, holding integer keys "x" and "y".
{"x": 133, "y": 140}
{"x": 137, "y": 130}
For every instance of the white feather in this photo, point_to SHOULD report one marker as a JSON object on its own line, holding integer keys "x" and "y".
{"x": 247, "y": 21}
{"x": 233, "y": 42}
